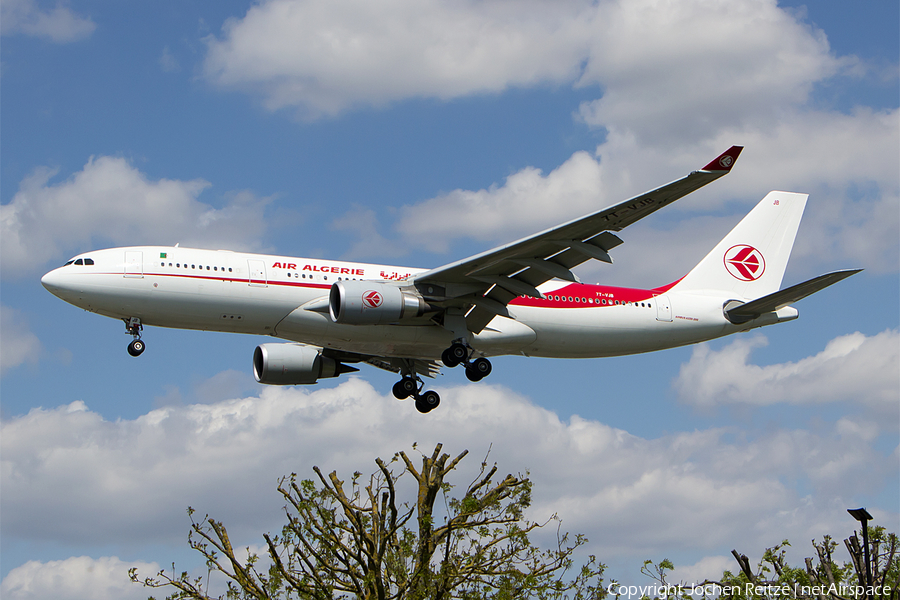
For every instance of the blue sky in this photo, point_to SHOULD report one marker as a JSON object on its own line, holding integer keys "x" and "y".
{"x": 332, "y": 130}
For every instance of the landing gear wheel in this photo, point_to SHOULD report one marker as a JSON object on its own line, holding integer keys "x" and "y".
{"x": 455, "y": 354}
{"x": 405, "y": 388}
{"x": 428, "y": 401}
{"x": 135, "y": 348}
{"x": 448, "y": 360}
{"x": 478, "y": 369}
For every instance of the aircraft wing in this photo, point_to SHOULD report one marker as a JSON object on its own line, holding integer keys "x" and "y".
{"x": 490, "y": 280}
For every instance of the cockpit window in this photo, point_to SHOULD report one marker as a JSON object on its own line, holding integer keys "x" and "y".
{"x": 80, "y": 261}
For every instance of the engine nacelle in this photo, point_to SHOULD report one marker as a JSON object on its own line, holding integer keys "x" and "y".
{"x": 293, "y": 364}
{"x": 373, "y": 303}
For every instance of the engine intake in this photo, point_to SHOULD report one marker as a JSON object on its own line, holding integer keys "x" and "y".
{"x": 373, "y": 303}
{"x": 294, "y": 364}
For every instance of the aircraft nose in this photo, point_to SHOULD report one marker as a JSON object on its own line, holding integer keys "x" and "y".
{"x": 54, "y": 282}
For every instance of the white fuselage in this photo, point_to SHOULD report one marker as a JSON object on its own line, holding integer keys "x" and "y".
{"x": 264, "y": 294}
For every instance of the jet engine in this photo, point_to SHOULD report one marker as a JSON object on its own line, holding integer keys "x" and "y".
{"x": 373, "y": 303}
{"x": 294, "y": 364}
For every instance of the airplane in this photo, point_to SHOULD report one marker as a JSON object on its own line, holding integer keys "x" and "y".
{"x": 518, "y": 299}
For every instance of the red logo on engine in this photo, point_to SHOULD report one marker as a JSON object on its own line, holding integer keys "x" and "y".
{"x": 745, "y": 262}
{"x": 372, "y": 299}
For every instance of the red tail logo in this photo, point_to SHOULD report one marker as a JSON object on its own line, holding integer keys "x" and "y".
{"x": 745, "y": 262}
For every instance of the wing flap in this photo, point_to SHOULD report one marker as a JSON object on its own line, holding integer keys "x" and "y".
{"x": 427, "y": 368}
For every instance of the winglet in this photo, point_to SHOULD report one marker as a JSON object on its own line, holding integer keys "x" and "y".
{"x": 724, "y": 161}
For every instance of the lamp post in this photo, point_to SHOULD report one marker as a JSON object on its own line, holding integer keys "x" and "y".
{"x": 863, "y": 516}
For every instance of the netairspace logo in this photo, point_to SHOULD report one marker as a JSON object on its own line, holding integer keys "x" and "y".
{"x": 750, "y": 590}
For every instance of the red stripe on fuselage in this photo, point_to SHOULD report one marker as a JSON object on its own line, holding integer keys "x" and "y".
{"x": 580, "y": 295}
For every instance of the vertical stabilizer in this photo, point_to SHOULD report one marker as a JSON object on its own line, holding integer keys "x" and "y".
{"x": 751, "y": 260}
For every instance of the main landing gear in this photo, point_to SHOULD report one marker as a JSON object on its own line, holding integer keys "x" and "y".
{"x": 134, "y": 327}
{"x": 458, "y": 353}
{"x": 411, "y": 385}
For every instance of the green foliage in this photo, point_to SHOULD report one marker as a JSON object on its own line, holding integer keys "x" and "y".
{"x": 356, "y": 539}
{"x": 821, "y": 578}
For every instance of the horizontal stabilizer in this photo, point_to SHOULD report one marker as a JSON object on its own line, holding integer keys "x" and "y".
{"x": 782, "y": 298}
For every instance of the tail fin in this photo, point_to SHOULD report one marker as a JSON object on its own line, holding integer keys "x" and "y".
{"x": 751, "y": 260}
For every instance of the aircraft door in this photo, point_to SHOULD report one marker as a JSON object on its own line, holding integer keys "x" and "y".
{"x": 134, "y": 264}
{"x": 663, "y": 308}
{"x": 257, "y": 270}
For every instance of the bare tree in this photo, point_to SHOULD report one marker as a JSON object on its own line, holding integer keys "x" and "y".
{"x": 361, "y": 541}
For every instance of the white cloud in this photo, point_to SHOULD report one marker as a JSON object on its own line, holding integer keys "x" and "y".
{"x": 76, "y": 578}
{"x": 132, "y": 479}
{"x": 326, "y": 58}
{"x": 59, "y": 24}
{"x": 112, "y": 201}
{"x": 702, "y": 570}
{"x": 672, "y": 71}
{"x": 17, "y": 344}
{"x": 527, "y": 202}
{"x": 362, "y": 222}
{"x": 657, "y": 62}
{"x": 852, "y": 367}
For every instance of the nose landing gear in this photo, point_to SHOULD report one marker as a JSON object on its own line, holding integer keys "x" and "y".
{"x": 134, "y": 327}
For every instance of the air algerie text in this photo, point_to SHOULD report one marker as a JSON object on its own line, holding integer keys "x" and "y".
{"x": 321, "y": 269}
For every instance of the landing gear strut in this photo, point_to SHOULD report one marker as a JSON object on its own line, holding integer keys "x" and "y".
{"x": 460, "y": 353}
{"x": 411, "y": 385}
{"x": 134, "y": 327}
